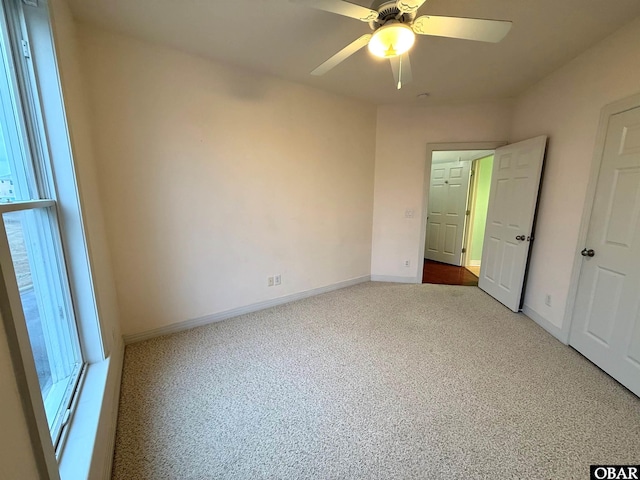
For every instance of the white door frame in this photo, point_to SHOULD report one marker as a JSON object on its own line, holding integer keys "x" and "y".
{"x": 438, "y": 147}
{"x": 471, "y": 201}
{"x": 620, "y": 106}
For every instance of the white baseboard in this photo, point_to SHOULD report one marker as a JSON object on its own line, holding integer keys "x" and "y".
{"x": 473, "y": 263}
{"x": 546, "y": 324}
{"x": 234, "y": 312}
{"x": 394, "y": 279}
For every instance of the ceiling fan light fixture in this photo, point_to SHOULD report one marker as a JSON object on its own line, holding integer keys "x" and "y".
{"x": 391, "y": 40}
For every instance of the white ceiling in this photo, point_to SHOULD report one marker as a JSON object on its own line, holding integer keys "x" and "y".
{"x": 460, "y": 156}
{"x": 288, "y": 40}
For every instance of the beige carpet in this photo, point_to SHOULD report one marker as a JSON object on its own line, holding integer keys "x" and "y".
{"x": 377, "y": 381}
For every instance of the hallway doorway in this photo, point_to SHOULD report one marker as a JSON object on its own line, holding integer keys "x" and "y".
{"x": 459, "y": 187}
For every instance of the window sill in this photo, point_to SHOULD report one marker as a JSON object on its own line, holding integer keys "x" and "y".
{"x": 81, "y": 450}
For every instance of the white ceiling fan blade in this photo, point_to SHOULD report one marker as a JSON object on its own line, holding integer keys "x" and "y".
{"x": 401, "y": 68}
{"x": 409, "y": 6}
{"x": 347, "y": 9}
{"x": 466, "y": 28}
{"x": 342, "y": 55}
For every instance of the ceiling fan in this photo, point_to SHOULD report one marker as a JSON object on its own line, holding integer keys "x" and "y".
{"x": 394, "y": 26}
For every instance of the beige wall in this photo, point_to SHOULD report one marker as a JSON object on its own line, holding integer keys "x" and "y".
{"x": 215, "y": 178}
{"x": 566, "y": 106}
{"x": 401, "y": 150}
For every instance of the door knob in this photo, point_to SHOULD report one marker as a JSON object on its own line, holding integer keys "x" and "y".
{"x": 520, "y": 237}
{"x": 587, "y": 253}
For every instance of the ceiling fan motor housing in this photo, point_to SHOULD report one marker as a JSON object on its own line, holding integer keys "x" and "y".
{"x": 389, "y": 12}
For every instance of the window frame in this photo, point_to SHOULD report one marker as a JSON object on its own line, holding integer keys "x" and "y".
{"x": 40, "y": 90}
{"x": 34, "y": 24}
{"x": 23, "y": 138}
{"x": 63, "y": 397}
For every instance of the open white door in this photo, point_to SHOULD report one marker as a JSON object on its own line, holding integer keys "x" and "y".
{"x": 606, "y": 316}
{"x": 512, "y": 206}
{"x": 447, "y": 212}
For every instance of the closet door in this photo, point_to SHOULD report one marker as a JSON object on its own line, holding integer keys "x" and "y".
{"x": 606, "y": 316}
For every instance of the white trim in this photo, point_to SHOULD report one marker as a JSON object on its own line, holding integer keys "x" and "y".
{"x": 26, "y": 205}
{"x": 88, "y": 452}
{"x": 395, "y": 279}
{"x": 617, "y": 107}
{"x": 102, "y": 459}
{"x": 44, "y": 75}
{"x": 546, "y": 324}
{"x": 469, "y": 219}
{"x": 435, "y": 147}
{"x": 474, "y": 263}
{"x": 234, "y": 312}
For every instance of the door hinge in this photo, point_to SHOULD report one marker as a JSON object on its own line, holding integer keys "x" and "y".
{"x": 31, "y": 3}
{"x": 26, "y": 51}
{"x": 468, "y": 212}
{"x": 464, "y": 250}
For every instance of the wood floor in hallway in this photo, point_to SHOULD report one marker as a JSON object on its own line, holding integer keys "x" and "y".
{"x": 445, "y": 274}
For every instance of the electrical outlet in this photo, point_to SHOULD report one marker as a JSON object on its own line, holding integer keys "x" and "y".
{"x": 270, "y": 282}
{"x": 407, "y": 263}
{"x": 547, "y": 300}
{"x": 277, "y": 280}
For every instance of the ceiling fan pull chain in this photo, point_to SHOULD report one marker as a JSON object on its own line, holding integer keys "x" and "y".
{"x": 400, "y": 74}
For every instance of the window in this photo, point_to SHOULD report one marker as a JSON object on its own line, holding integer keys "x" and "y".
{"x": 31, "y": 250}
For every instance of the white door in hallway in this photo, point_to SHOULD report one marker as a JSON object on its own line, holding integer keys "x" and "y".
{"x": 512, "y": 206}
{"x": 606, "y": 317}
{"x": 447, "y": 212}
